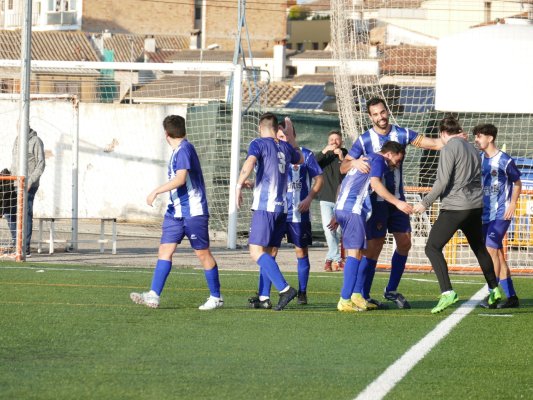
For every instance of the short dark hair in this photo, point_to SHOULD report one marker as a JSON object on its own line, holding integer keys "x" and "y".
{"x": 486, "y": 129}
{"x": 334, "y": 132}
{"x": 174, "y": 126}
{"x": 450, "y": 125}
{"x": 373, "y": 102}
{"x": 269, "y": 120}
{"x": 393, "y": 147}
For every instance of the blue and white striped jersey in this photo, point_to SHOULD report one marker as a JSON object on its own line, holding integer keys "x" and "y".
{"x": 354, "y": 195}
{"x": 299, "y": 183}
{"x": 271, "y": 173}
{"x": 499, "y": 174}
{"x": 371, "y": 142}
{"x": 188, "y": 200}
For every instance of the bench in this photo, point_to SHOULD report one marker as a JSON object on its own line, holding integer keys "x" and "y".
{"x": 52, "y": 239}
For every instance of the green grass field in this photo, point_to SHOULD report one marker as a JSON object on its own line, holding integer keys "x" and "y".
{"x": 71, "y": 332}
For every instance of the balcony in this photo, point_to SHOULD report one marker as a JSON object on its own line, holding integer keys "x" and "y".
{"x": 51, "y": 19}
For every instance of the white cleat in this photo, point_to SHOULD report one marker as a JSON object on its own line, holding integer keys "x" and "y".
{"x": 212, "y": 303}
{"x": 149, "y": 299}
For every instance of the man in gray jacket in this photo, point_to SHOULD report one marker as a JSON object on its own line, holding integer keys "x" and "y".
{"x": 458, "y": 185}
{"x": 36, "y": 164}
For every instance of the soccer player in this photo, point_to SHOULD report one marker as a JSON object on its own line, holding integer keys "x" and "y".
{"x": 501, "y": 190}
{"x": 300, "y": 194}
{"x": 187, "y": 215}
{"x": 352, "y": 210}
{"x": 458, "y": 184}
{"x": 271, "y": 159}
{"x": 385, "y": 216}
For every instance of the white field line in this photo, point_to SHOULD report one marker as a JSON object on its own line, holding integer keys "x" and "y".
{"x": 384, "y": 383}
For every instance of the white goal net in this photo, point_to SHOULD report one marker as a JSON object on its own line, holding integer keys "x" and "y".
{"x": 429, "y": 58}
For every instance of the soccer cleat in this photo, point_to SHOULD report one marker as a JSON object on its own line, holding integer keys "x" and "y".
{"x": 495, "y": 296}
{"x": 374, "y": 304}
{"x": 511, "y": 302}
{"x": 254, "y": 302}
{"x": 485, "y": 303}
{"x": 359, "y": 301}
{"x": 327, "y": 266}
{"x": 346, "y": 306}
{"x": 302, "y": 298}
{"x": 149, "y": 299}
{"x": 212, "y": 303}
{"x": 397, "y": 298}
{"x": 446, "y": 300}
{"x": 285, "y": 298}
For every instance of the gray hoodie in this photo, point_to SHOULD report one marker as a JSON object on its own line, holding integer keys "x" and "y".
{"x": 36, "y": 162}
{"x": 458, "y": 182}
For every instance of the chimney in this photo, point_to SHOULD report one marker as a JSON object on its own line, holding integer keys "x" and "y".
{"x": 278, "y": 68}
{"x": 195, "y": 39}
{"x": 149, "y": 44}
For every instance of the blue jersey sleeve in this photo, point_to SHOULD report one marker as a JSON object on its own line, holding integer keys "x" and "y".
{"x": 411, "y": 135}
{"x": 254, "y": 149}
{"x": 182, "y": 159}
{"x": 312, "y": 166}
{"x": 512, "y": 171}
{"x": 295, "y": 155}
{"x": 357, "y": 149}
{"x": 378, "y": 167}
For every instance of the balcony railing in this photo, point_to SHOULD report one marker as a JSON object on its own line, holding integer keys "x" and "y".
{"x": 12, "y": 20}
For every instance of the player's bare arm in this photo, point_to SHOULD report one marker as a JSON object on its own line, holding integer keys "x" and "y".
{"x": 305, "y": 204}
{"x": 382, "y": 191}
{"x": 177, "y": 181}
{"x": 517, "y": 189}
{"x": 246, "y": 170}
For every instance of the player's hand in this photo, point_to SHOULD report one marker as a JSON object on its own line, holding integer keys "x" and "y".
{"x": 338, "y": 153}
{"x": 248, "y": 184}
{"x": 329, "y": 147}
{"x": 305, "y": 204}
{"x": 419, "y": 208}
{"x": 151, "y": 198}
{"x": 238, "y": 197}
{"x": 509, "y": 213}
{"x": 404, "y": 207}
{"x": 361, "y": 164}
{"x": 333, "y": 224}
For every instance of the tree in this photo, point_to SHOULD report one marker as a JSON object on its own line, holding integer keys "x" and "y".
{"x": 298, "y": 13}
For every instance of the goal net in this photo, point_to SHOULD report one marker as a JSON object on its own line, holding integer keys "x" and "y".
{"x": 101, "y": 124}
{"x": 430, "y": 58}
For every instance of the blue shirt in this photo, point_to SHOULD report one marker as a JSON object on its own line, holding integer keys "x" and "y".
{"x": 299, "y": 183}
{"x": 188, "y": 200}
{"x": 354, "y": 193}
{"x": 271, "y": 172}
{"x": 499, "y": 173}
{"x": 371, "y": 142}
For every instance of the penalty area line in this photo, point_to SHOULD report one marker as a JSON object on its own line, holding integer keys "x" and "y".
{"x": 384, "y": 383}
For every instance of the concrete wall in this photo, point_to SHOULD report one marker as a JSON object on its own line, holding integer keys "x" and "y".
{"x": 309, "y": 32}
{"x": 122, "y": 157}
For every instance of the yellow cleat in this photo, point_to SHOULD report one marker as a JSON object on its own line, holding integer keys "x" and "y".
{"x": 346, "y": 306}
{"x": 359, "y": 301}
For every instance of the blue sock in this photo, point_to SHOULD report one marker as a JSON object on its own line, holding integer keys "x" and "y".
{"x": 370, "y": 272}
{"x": 213, "y": 283}
{"x": 271, "y": 269}
{"x": 303, "y": 273}
{"x": 350, "y": 275}
{"x": 508, "y": 287}
{"x": 396, "y": 272}
{"x": 362, "y": 275}
{"x": 265, "y": 283}
{"x": 162, "y": 269}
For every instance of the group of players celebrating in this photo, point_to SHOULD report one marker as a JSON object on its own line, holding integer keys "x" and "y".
{"x": 478, "y": 195}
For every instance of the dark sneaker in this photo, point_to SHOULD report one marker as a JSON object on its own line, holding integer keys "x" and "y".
{"x": 397, "y": 298}
{"x": 285, "y": 298}
{"x": 374, "y": 304}
{"x": 254, "y": 302}
{"x": 511, "y": 302}
{"x": 302, "y": 298}
{"x": 485, "y": 303}
{"x": 327, "y": 266}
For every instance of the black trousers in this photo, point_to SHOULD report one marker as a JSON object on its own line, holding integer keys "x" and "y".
{"x": 447, "y": 223}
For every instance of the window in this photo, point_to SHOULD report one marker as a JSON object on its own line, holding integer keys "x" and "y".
{"x": 289, "y": 46}
{"x": 9, "y": 4}
{"x": 315, "y": 46}
{"x": 61, "y": 5}
{"x": 300, "y": 46}
{"x": 488, "y": 6}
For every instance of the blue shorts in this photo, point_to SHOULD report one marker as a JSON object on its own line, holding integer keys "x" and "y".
{"x": 494, "y": 232}
{"x": 267, "y": 228}
{"x": 386, "y": 218}
{"x": 353, "y": 230}
{"x": 299, "y": 234}
{"x": 195, "y": 228}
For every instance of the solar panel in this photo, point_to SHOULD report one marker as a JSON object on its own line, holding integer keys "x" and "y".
{"x": 310, "y": 97}
{"x": 417, "y": 99}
